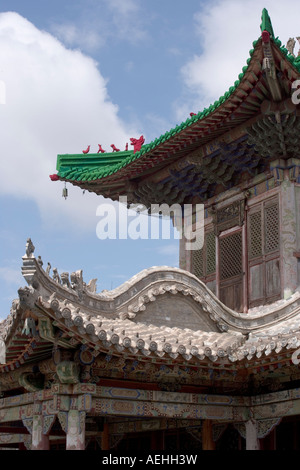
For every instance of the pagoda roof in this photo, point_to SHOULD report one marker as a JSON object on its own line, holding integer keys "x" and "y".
{"x": 119, "y": 173}
{"x": 124, "y": 323}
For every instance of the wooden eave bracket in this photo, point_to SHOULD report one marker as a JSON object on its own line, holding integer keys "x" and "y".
{"x": 268, "y": 67}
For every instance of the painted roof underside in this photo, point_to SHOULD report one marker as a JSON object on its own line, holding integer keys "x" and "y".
{"x": 109, "y": 173}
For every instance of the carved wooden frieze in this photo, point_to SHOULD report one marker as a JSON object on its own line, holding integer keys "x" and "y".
{"x": 229, "y": 216}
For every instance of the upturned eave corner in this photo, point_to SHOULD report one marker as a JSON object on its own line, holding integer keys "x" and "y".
{"x": 85, "y": 170}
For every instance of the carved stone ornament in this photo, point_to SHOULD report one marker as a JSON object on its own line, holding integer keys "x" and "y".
{"x": 29, "y": 248}
{"x": 2, "y": 352}
{"x": 290, "y": 45}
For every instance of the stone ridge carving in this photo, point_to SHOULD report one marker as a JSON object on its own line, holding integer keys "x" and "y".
{"x": 9, "y": 324}
{"x": 73, "y": 282}
{"x": 150, "y": 295}
{"x": 290, "y": 45}
{"x": 29, "y": 248}
{"x": 130, "y": 298}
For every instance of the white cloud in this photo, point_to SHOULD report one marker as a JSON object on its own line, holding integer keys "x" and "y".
{"x": 127, "y": 19}
{"x": 56, "y": 102}
{"x": 79, "y": 36}
{"x": 226, "y": 30}
{"x": 101, "y": 21}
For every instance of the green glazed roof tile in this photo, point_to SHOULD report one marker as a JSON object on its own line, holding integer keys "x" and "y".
{"x": 266, "y": 24}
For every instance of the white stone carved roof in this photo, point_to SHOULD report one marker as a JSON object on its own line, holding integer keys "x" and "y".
{"x": 161, "y": 312}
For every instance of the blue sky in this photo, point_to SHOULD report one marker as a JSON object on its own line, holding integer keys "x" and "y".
{"x": 102, "y": 71}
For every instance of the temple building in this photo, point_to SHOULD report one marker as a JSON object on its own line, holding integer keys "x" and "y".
{"x": 200, "y": 357}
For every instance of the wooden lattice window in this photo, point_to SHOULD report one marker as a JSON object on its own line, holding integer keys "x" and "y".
{"x": 198, "y": 265}
{"x": 210, "y": 253}
{"x": 231, "y": 255}
{"x": 271, "y": 228}
{"x": 263, "y": 252}
{"x": 263, "y": 230}
{"x": 204, "y": 260}
{"x": 255, "y": 235}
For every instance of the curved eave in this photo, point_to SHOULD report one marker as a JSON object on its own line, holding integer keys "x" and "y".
{"x": 25, "y": 351}
{"x": 238, "y": 105}
{"x": 241, "y": 103}
{"x": 20, "y": 348}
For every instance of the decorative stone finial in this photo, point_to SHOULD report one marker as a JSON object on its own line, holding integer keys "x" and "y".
{"x": 29, "y": 248}
{"x": 65, "y": 279}
{"x": 56, "y": 276}
{"x": 290, "y": 45}
{"x": 92, "y": 286}
{"x": 77, "y": 282}
{"x": 48, "y": 269}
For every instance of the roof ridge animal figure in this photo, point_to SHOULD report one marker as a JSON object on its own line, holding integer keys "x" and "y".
{"x": 86, "y": 150}
{"x": 100, "y": 149}
{"x": 137, "y": 143}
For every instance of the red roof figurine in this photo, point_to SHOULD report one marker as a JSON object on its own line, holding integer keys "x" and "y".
{"x": 100, "y": 149}
{"x": 137, "y": 143}
{"x": 87, "y": 150}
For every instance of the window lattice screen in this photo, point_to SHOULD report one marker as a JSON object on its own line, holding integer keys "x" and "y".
{"x": 204, "y": 260}
{"x": 255, "y": 235}
{"x": 231, "y": 255}
{"x": 210, "y": 253}
{"x": 198, "y": 268}
{"x": 271, "y": 228}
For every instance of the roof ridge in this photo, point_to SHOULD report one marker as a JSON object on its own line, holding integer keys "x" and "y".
{"x": 266, "y": 24}
{"x": 111, "y": 168}
{"x": 179, "y": 127}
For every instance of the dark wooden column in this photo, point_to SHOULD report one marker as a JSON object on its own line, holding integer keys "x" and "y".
{"x": 157, "y": 440}
{"x": 207, "y": 436}
{"x": 105, "y": 437}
